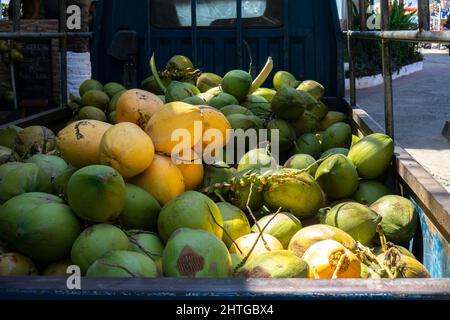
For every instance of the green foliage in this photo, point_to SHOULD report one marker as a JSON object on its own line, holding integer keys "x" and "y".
{"x": 367, "y": 53}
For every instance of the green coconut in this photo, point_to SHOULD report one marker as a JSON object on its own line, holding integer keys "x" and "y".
{"x": 302, "y": 162}
{"x": 57, "y": 269}
{"x": 8, "y": 136}
{"x": 193, "y": 253}
{"x": 59, "y": 184}
{"x": 259, "y": 106}
{"x": 399, "y": 218}
{"x": 338, "y": 135}
{"x": 255, "y": 244}
{"x": 91, "y": 113}
{"x": 307, "y": 123}
{"x": 96, "y": 193}
{"x": 294, "y": 191}
{"x": 370, "y": 191}
{"x": 286, "y": 134}
{"x": 150, "y": 84}
{"x": 51, "y": 166}
{"x": 319, "y": 109}
{"x": 313, "y": 88}
{"x": 12, "y": 211}
{"x": 88, "y": 85}
{"x": 275, "y": 264}
{"x": 179, "y": 63}
{"x": 113, "y": 117}
{"x": 17, "y": 178}
{"x": 266, "y": 93}
{"x": 123, "y": 264}
{"x": 112, "y": 88}
{"x": 147, "y": 243}
{"x": 235, "y": 109}
{"x": 38, "y": 224}
{"x": 288, "y": 104}
{"x": 141, "y": 210}
{"x": 402, "y": 266}
{"x": 95, "y": 98}
{"x": 310, "y": 235}
{"x": 337, "y": 176}
{"x": 308, "y": 143}
{"x": 237, "y": 83}
{"x": 235, "y": 223}
{"x": 332, "y": 151}
{"x": 95, "y": 241}
{"x": 222, "y": 100}
{"x": 331, "y": 118}
{"x": 34, "y": 139}
{"x": 113, "y": 102}
{"x": 256, "y": 159}
{"x": 282, "y": 79}
{"x": 7, "y": 155}
{"x": 217, "y": 173}
{"x": 196, "y": 101}
{"x": 244, "y": 122}
{"x": 190, "y": 210}
{"x": 283, "y": 227}
{"x": 178, "y": 91}
{"x": 208, "y": 81}
{"x": 17, "y": 265}
{"x": 356, "y": 219}
{"x": 245, "y": 196}
{"x": 372, "y": 155}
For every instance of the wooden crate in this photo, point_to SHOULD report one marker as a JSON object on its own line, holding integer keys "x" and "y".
{"x": 38, "y": 26}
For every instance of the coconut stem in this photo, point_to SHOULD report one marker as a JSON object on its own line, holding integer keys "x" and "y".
{"x": 223, "y": 229}
{"x": 339, "y": 266}
{"x": 382, "y": 238}
{"x": 253, "y": 216}
{"x": 262, "y": 77}
{"x": 218, "y": 195}
{"x": 260, "y": 235}
{"x": 155, "y": 73}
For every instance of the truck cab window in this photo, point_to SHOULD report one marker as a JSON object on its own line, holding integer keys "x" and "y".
{"x": 216, "y": 13}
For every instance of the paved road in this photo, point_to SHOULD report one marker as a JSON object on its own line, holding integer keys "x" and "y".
{"x": 421, "y": 107}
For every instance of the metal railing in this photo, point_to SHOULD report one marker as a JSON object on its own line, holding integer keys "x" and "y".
{"x": 387, "y": 36}
{"x": 62, "y": 35}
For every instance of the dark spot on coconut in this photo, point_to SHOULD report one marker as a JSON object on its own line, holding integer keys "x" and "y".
{"x": 78, "y": 134}
{"x": 257, "y": 272}
{"x": 141, "y": 96}
{"x": 298, "y": 249}
{"x": 189, "y": 262}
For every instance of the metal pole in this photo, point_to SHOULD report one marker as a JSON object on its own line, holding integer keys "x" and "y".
{"x": 424, "y": 14}
{"x": 408, "y": 36}
{"x": 239, "y": 32}
{"x": 194, "y": 30}
{"x": 350, "y": 54}
{"x": 16, "y": 28}
{"x": 63, "y": 52}
{"x": 387, "y": 74}
{"x": 362, "y": 15}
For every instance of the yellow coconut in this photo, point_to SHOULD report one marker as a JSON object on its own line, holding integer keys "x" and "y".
{"x": 126, "y": 148}
{"x": 329, "y": 259}
{"x": 192, "y": 171}
{"x": 214, "y": 119}
{"x": 162, "y": 179}
{"x": 265, "y": 243}
{"x": 79, "y": 142}
{"x": 137, "y": 106}
{"x": 173, "y": 128}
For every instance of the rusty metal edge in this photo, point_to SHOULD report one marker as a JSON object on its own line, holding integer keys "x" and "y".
{"x": 425, "y": 188}
{"x": 172, "y": 288}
